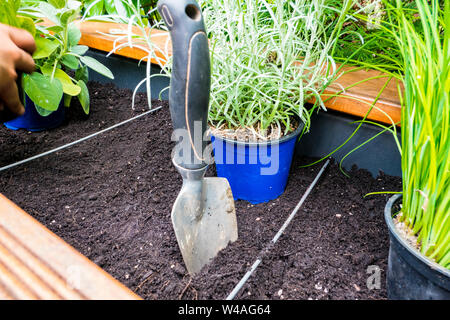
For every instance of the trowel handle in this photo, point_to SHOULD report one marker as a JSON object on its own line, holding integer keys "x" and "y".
{"x": 190, "y": 80}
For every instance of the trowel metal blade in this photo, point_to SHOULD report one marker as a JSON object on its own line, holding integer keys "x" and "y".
{"x": 201, "y": 235}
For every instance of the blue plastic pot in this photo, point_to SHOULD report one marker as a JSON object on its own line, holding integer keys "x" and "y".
{"x": 31, "y": 120}
{"x": 257, "y": 172}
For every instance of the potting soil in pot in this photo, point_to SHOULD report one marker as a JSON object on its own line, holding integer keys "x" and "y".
{"x": 111, "y": 198}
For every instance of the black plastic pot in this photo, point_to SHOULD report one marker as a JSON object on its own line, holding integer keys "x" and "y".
{"x": 410, "y": 275}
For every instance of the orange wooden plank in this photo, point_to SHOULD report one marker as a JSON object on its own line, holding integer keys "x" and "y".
{"x": 92, "y": 36}
{"x": 358, "y": 99}
{"x": 37, "y": 264}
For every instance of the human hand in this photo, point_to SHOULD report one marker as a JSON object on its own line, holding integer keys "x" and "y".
{"x": 16, "y": 48}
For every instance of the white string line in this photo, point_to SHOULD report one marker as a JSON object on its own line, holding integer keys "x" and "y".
{"x": 255, "y": 265}
{"x": 76, "y": 141}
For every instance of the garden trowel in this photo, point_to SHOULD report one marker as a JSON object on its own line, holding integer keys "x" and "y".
{"x": 203, "y": 216}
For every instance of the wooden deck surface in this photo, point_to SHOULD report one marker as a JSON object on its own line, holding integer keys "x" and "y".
{"x": 36, "y": 264}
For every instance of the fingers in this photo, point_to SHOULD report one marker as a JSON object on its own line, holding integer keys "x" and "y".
{"x": 18, "y": 47}
{"x": 15, "y": 54}
{"x": 23, "y": 39}
{"x": 24, "y": 62}
{"x": 9, "y": 95}
{"x": 26, "y": 46}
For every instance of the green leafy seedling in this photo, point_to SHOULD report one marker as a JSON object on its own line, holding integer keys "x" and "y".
{"x": 61, "y": 64}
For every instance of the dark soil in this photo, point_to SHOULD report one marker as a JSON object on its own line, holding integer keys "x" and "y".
{"x": 111, "y": 198}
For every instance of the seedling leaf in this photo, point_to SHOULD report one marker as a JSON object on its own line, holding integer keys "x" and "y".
{"x": 44, "y": 93}
{"x": 84, "y": 96}
{"x": 97, "y": 66}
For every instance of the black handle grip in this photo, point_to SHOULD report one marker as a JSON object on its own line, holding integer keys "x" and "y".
{"x": 190, "y": 80}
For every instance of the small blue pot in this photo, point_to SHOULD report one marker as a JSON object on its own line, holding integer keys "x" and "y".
{"x": 257, "y": 172}
{"x": 31, "y": 120}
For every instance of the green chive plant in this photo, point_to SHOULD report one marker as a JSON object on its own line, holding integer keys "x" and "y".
{"x": 425, "y": 131}
{"x": 423, "y": 41}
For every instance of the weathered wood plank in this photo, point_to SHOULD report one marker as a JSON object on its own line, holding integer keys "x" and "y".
{"x": 37, "y": 264}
